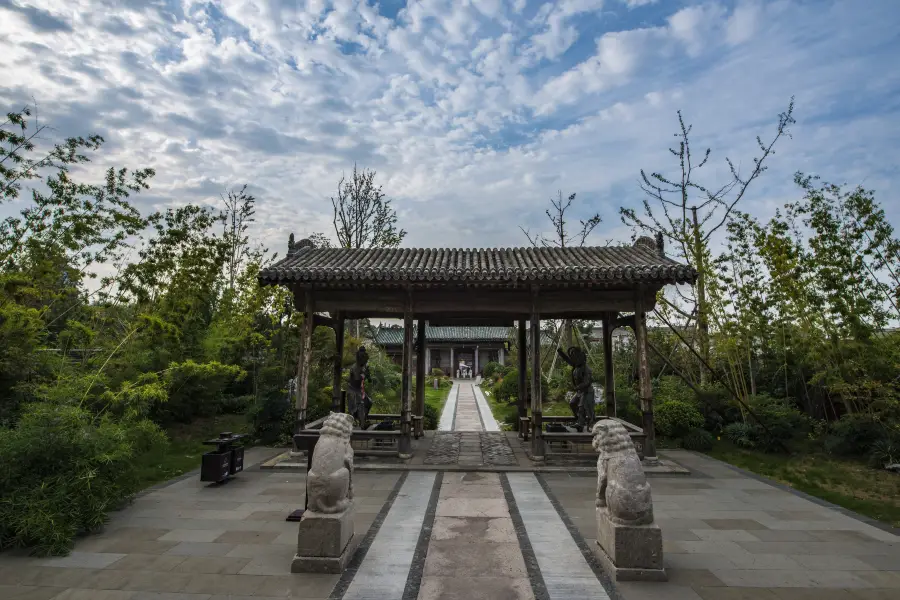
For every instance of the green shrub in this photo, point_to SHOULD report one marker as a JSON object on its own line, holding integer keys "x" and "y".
{"x": 195, "y": 390}
{"x": 269, "y": 416}
{"x": 782, "y": 422}
{"x": 435, "y": 372}
{"x": 627, "y": 407}
{"x": 491, "y": 368}
{"x": 854, "y": 435}
{"x": 675, "y": 418}
{"x": 697, "y": 439}
{"x": 507, "y": 389}
{"x": 431, "y": 417}
{"x": 743, "y": 435}
{"x": 64, "y": 469}
{"x": 671, "y": 389}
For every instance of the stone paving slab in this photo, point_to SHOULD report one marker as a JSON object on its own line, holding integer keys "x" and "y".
{"x": 728, "y": 535}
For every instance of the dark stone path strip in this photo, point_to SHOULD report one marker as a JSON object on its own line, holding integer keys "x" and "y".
{"x": 414, "y": 580}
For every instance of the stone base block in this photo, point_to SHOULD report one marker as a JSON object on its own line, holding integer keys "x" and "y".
{"x": 323, "y": 542}
{"x": 630, "y": 552}
{"x": 316, "y": 564}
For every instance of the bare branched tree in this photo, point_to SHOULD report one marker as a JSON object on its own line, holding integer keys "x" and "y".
{"x": 363, "y": 216}
{"x": 239, "y": 213}
{"x": 563, "y": 237}
{"x": 692, "y": 212}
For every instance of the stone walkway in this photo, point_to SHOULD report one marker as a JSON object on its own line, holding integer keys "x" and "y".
{"x": 455, "y": 535}
{"x": 468, "y": 434}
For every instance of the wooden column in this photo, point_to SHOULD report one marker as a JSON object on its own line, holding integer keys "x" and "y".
{"x": 302, "y": 386}
{"x": 338, "y": 362}
{"x": 609, "y": 389}
{"x": 523, "y": 375}
{"x": 420, "y": 377}
{"x": 537, "y": 438}
{"x": 452, "y": 372}
{"x": 645, "y": 387}
{"x": 405, "y": 389}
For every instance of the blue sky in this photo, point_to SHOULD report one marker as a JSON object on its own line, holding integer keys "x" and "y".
{"x": 474, "y": 113}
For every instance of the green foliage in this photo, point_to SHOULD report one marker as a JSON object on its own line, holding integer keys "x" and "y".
{"x": 65, "y": 469}
{"x": 431, "y": 417}
{"x": 435, "y": 372}
{"x": 672, "y": 389}
{"x": 490, "y": 369}
{"x": 196, "y": 390}
{"x": 856, "y": 435}
{"x": 676, "y": 418}
{"x": 743, "y": 435}
{"x": 697, "y": 439}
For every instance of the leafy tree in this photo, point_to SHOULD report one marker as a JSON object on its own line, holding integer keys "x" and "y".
{"x": 363, "y": 216}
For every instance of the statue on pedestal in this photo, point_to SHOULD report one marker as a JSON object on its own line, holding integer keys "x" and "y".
{"x": 358, "y": 403}
{"x": 329, "y": 483}
{"x": 323, "y": 538}
{"x": 631, "y": 542}
{"x": 582, "y": 403}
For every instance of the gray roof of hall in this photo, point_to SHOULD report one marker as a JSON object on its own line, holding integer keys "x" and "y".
{"x": 390, "y": 336}
{"x": 644, "y": 262}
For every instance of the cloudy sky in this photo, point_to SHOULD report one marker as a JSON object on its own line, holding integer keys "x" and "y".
{"x": 473, "y": 112}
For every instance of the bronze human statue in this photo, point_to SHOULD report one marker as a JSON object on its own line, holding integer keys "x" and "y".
{"x": 358, "y": 402}
{"x": 582, "y": 404}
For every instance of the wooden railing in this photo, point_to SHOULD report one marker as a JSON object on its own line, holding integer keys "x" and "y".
{"x": 567, "y": 443}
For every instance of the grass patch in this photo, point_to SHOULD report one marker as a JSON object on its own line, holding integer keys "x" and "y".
{"x": 850, "y": 484}
{"x": 186, "y": 447}
{"x": 389, "y": 402}
{"x": 506, "y": 415}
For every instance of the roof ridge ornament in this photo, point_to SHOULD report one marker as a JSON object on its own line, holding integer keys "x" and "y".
{"x": 295, "y": 247}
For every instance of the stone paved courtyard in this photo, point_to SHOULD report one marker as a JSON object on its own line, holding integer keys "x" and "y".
{"x": 468, "y": 535}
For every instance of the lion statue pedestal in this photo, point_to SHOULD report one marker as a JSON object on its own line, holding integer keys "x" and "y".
{"x": 326, "y": 529}
{"x": 630, "y": 542}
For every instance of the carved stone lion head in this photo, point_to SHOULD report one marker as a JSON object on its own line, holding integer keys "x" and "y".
{"x": 338, "y": 425}
{"x": 611, "y": 438}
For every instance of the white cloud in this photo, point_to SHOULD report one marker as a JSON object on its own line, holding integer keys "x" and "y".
{"x": 742, "y": 23}
{"x": 472, "y": 113}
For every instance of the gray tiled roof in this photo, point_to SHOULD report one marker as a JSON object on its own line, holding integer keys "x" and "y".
{"x": 642, "y": 262}
{"x": 390, "y": 336}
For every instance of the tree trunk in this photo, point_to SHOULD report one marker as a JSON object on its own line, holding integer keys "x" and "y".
{"x": 702, "y": 308}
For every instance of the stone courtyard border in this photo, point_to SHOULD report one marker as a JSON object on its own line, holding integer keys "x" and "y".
{"x": 887, "y": 528}
{"x": 343, "y": 584}
{"x": 535, "y": 577}
{"x": 589, "y": 556}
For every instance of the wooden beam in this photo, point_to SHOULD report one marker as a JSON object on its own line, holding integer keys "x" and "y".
{"x": 609, "y": 389}
{"x": 537, "y": 410}
{"x": 405, "y": 391}
{"x": 645, "y": 387}
{"x": 420, "y": 377}
{"x": 303, "y": 365}
{"x": 338, "y": 324}
{"x": 473, "y": 303}
{"x": 523, "y": 374}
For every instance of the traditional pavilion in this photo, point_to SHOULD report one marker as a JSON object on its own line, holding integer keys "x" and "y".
{"x": 478, "y": 287}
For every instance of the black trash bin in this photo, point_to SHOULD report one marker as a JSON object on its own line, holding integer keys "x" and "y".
{"x": 237, "y": 460}
{"x": 216, "y": 466}
{"x": 226, "y": 460}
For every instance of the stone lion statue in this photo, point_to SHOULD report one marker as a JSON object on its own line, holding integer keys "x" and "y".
{"x": 329, "y": 483}
{"x": 622, "y": 487}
